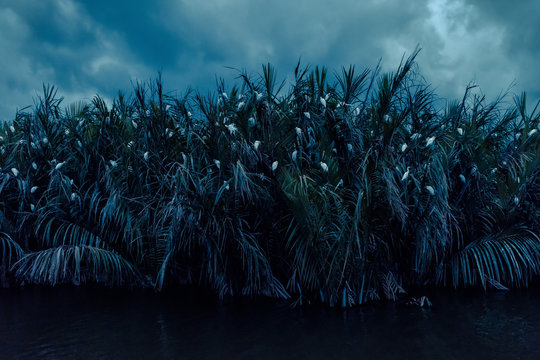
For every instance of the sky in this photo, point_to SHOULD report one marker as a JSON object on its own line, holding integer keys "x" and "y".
{"x": 101, "y": 46}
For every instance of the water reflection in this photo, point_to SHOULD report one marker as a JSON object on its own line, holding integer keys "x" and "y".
{"x": 111, "y": 324}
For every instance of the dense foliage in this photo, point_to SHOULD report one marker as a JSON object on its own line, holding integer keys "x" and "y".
{"x": 339, "y": 192}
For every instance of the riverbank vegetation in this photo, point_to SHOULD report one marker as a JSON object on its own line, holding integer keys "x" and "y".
{"x": 343, "y": 188}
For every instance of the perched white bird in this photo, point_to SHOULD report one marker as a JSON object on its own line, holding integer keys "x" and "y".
{"x": 357, "y": 111}
{"x": 227, "y": 187}
{"x": 66, "y": 132}
{"x": 225, "y": 95}
{"x": 34, "y": 165}
{"x": 430, "y": 190}
{"x": 189, "y": 114}
{"x": 462, "y": 178}
{"x": 134, "y": 124}
{"x": 259, "y": 95}
{"x": 59, "y": 165}
{"x": 494, "y": 170}
{"x": 80, "y": 143}
{"x": 45, "y": 141}
{"x": 430, "y": 140}
{"x": 323, "y": 101}
{"x": 324, "y": 167}
{"x": 532, "y": 132}
{"x": 15, "y": 171}
{"x": 274, "y": 165}
{"x": 240, "y": 105}
{"x": 218, "y": 163}
{"x": 460, "y": 131}
{"x": 349, "y": 147}
{"x": 145, "y": 156}
{"x": 232, "y": 128}
{"x": 73, "y": 196}
{"x": 298, "y": 131}
{"x": 516, "y": 200}
{"x": 113, "y": 163}
{"x": 403, "y": 147}
{"x": 256, "y": 144}
{"x": 307, "y": 114}
{"x": 32, "y": 207}
{"x": 294, "y": 154}
{"x": 33, "y": 189}
{"x": 406, "y": 174}
{"x": 12, "y": 128}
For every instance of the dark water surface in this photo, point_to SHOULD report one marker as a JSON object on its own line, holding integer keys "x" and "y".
{"x": 82, "y": 323}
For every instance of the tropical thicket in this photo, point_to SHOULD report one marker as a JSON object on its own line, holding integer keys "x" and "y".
{"x": 336, "y": 188}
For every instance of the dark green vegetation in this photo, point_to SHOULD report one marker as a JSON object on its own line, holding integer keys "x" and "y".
{"x": 339, "y": 192}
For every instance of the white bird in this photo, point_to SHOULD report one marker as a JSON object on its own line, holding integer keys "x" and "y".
{"x": 189, "y": 113}
{"x": 349, "y": 147}
{"x": 45, "y": 141}
{"x": 406, "y": 174}
{"x": 134, "y": 124}
{"x": 15, "y": 171}
{"x": 34, "y": 165}
{"x": 516, "y": 200}
{"x": 66, "y": 132}
{"x": 59, "y": 165}
{"x": 460, "y": 131}
{"x": 494, "y": 170}
{"x": 357, "y": 111}
{"x": 240, "y": 105}
{"x": 73, "y": 196}
{"x": 145, "y": 156}
{"x": 256, "y": 144}
{"x": 232, "y": 128}
{"x": 33, "y": 189}
{"x": 12, "y": 128}
{"x": 323, "y": 101}
{"x": 32, "y": 207}
{"x": 80, "y": 143}
{"x": 532, "y": 132}
{"x": 294, "y": 154}
{"x": 298, "y": 131}
{"x": 259, "y": 95}
{"x": 430, "y": 190}
{"x": 324, "y": 167}
{"x": 227, "y": 187}
{"x": 462, "y": 178}
{"x": 307, "y": 114}
{"x": 430, "y": 140}
{"x": 274, "y": 165}
{"x": 403, "y": 147}
{"x": 225, "y": 95}
{"x": 218, "y": 163}
{"x": 113, "y": 163}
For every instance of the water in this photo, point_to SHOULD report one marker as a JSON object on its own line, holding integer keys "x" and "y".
{"x": 82, "y": 323}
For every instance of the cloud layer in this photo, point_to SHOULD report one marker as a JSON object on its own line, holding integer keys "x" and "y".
{"x": 89, "y": 47}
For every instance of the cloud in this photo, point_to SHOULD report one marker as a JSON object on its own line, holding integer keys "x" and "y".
{"x": 96, "y": 46}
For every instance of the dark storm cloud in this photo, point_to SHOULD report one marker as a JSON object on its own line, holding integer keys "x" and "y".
{"x": 100, "y": 46}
